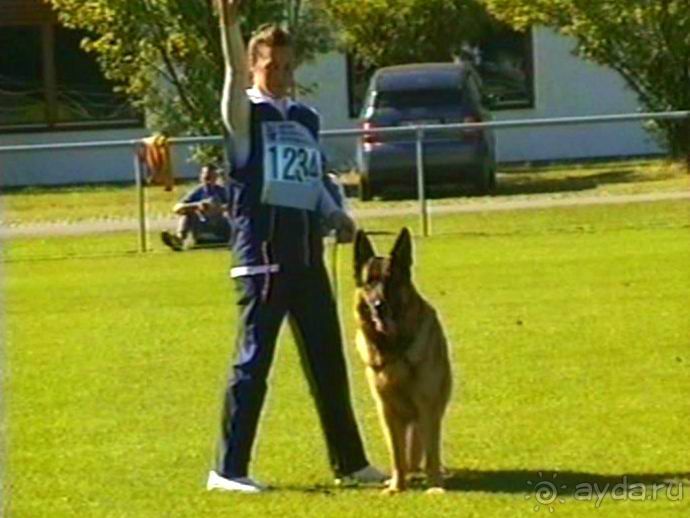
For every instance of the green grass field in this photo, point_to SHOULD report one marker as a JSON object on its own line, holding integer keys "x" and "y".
{"x": 571, "y": 352}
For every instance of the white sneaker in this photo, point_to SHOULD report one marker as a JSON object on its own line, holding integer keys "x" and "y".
{"x": 240, "y": 484}
{"x": 367, "y": 475}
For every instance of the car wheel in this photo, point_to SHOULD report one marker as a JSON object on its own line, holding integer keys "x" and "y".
{"x": 492, "y": 180}
{"x": 485, "y": 183}
{"x": 365, "y": 191}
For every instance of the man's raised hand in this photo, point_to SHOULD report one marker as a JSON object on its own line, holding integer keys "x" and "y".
{"x": 229, "y": 10}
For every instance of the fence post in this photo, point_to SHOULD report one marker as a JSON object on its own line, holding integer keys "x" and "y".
{"x": 141, "y": 199}
{"x": 420, "y": 181}
{"x": 686, "y": 124}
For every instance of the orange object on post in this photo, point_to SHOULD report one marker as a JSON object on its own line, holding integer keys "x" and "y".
{"x": 154, "y": 156}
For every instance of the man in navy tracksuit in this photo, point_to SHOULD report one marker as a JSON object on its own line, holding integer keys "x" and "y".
{"x": 279, "y": 201}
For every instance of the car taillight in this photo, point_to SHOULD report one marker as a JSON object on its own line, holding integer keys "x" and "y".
{"x": 370, "y": 138}
{"x": 473, "y": 134}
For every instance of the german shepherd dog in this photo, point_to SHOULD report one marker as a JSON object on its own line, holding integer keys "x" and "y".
{"x": 401, "y": 341}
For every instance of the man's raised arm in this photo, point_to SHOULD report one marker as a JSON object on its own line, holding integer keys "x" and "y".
{"x": 234, "y": 103}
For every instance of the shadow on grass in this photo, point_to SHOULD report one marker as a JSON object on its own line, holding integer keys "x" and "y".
{"x": 565, "y": 482}
{"x": 540, "y": 184}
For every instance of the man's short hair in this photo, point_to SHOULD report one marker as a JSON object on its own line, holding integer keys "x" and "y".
{"x": 271, "y": 35}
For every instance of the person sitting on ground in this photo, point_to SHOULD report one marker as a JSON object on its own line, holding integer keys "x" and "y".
{"x": 203, "y": 214}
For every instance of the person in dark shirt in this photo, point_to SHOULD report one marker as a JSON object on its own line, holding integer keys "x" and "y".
{"x": 202, "y": 214}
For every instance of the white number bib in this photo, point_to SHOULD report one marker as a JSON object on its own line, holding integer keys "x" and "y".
{"x": 292, "y": 166}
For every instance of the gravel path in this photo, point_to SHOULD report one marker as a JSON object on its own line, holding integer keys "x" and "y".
{"x": 474, "y": 205}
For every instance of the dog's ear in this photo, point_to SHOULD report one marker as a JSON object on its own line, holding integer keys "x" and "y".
{"x": 364, "y": 251}
{"x": 401, "y": 255}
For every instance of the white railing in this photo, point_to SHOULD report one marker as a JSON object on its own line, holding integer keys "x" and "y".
{"x": 418, "y": 130}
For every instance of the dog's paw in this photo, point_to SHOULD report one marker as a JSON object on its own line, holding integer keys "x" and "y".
{"x": 435, "y": 491}
{"x": 390, "y": 491}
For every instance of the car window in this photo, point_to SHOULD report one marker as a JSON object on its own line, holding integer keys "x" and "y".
{"x": 409, "y": 99}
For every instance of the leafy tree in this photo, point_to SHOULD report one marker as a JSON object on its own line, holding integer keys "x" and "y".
{"x": 387, "y": 32}
{"x": 165, "y": 55}
{"x": 646, "y": 41}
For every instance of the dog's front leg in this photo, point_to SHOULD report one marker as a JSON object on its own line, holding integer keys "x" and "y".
{"x": 415, "y": 449}
{"x": 430, "y": 427}
{"x": 395, "y": 429}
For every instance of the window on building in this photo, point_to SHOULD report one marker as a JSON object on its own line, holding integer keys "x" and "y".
{"x": 22, "y": 95}
{"x": 48, "y": 81}
{"x": 504, "y": 61}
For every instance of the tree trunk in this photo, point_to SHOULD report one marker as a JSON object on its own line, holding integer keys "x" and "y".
{"x": 686, "y": 133}
{"x": 677, "y": 135}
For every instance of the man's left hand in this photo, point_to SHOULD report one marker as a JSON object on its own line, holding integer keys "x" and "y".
{"x": 345, "y": 227}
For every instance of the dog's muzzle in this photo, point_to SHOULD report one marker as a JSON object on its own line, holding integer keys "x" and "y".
{"x": 380, "y": 315}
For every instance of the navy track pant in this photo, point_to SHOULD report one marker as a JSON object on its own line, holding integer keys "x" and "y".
{"x": 306, "y": 298}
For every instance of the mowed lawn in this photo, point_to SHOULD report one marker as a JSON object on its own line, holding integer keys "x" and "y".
{"x": 570, "y": 344}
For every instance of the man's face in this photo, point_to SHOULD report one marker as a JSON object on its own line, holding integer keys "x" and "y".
{"x": 208, "y": 176}
{"x": 272, "y": 72}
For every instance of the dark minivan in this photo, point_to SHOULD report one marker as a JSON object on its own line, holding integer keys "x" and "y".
{"x": 425, "y": 93}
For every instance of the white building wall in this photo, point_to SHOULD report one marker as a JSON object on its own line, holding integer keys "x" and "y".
{"x": 567, "y": 86}
{"x": 327, "y": 77}
{"x": 74, "y": 166}
{"x": 564, "y": 86}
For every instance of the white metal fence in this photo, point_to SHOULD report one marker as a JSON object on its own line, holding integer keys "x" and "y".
{"x": 418, "y": 130}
